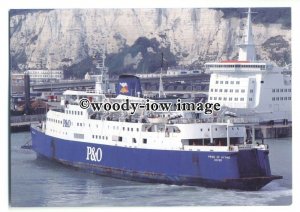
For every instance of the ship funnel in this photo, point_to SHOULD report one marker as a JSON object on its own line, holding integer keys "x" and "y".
{"x": 247, "y": 48}
{"x": 129, "y": 85}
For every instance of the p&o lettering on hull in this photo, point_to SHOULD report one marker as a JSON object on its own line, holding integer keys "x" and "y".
{"x": 93, "y": 154}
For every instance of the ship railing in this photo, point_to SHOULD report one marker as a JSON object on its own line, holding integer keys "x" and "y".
{"x": 245, "y": 146}
{"x": 204, "y": 120}
{"x": 90, "y": 91}
{"x": 253, "y": 146}
{"x": 205, "y": 148}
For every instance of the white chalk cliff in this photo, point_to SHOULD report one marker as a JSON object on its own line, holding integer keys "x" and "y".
{"x": 192, "y": 34}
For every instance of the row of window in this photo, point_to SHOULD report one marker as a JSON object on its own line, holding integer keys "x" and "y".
{"x": 100, "y": 137}
{"x": 74, "y": 112}
{"x": 120, "y": 139}
{"x": 45, "y": 72}
{"x": 280, "y": 90}
{"x": 262, "y": 67}
{"x": 227, "y": 82}
{"x": 59, "y": 132}
{"x": 54, "y": 120}
{"x": 46, "y": 76}
{"x": 79, "y": 124}
{"x": 229, "y": 98}
{"x": 281, "y": 98}
{"x": 229, "y": 90}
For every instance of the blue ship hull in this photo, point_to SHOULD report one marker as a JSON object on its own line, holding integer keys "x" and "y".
{"x": 245, "y": 170}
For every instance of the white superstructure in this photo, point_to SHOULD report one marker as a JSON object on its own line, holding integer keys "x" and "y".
{"x": 254, "y": 90}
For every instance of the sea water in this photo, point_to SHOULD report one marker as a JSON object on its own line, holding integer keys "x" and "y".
{"x": 39, "y": 182}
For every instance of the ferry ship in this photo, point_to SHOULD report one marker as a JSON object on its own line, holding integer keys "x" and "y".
{"x": 255, "y": 91}
{"x": 154, "y": 147}
{"x": 166, "y": 149}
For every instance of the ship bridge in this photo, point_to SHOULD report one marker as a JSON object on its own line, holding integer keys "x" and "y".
{"x": 238, "y": 66}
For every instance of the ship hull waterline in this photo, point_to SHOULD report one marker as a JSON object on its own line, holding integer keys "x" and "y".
{"x": 155, "y": 166}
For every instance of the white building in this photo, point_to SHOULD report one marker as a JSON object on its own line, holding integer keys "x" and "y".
{"x": 45, "y": 75}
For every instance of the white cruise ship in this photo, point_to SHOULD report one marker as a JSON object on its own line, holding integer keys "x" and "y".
{"x": 255, "y": 91}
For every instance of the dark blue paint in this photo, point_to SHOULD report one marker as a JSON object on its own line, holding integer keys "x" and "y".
{"x": 164, "y": 166}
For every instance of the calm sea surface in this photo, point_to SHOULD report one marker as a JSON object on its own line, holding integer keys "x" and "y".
{"x": 37, "y": 182}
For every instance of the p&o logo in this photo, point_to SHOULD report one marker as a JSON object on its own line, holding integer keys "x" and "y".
{"x": 124, "y": 87}
{"x": 93, "y": 154}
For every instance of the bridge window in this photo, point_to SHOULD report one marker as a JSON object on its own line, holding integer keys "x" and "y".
{"x": 225, "y": 90}
{"x": 231, "y": 90}
{"x": 217, "y": 82}
{"x": 236, "y": 99}
{"x": 243, "y": 90}
{"x": 232, "y": 82}
{"x": 237, "y": 82}
{"x": 226, "y": 82}
{"x": 250, "y": 99}
{"x": 133, "y": 140}
{"x": 242, "y": 99}
{"x": 230, "y": 98}
{"x": 220, "y": 90}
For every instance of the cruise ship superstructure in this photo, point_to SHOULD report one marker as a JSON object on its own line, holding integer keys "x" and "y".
{"x": 254, "y": 90}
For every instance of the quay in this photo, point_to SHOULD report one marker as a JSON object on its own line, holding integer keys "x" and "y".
{"x": 22, "y": 123}
{"x": 276, "y": 130}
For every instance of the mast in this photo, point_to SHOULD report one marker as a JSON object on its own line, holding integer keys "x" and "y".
{"x": 161, "y": 93}
{"x": 247, "y": 48}
{"x": 102, "y": 75}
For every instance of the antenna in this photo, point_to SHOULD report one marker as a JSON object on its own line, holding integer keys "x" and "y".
{"x": 247, "y": 49}
{"x": 161, "y": 93}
